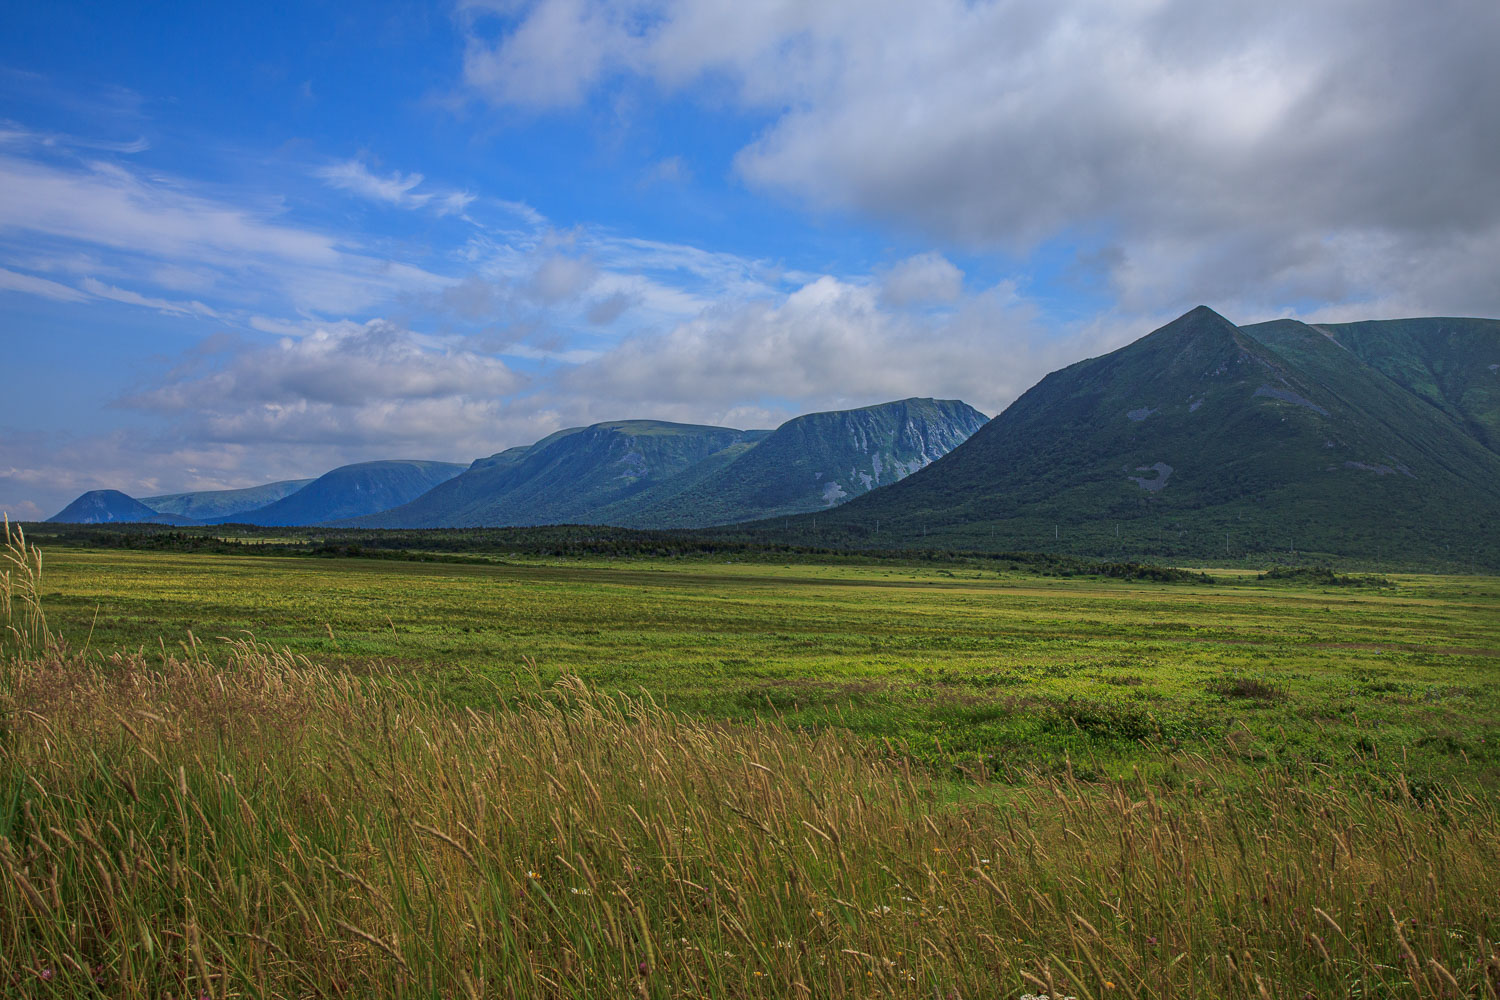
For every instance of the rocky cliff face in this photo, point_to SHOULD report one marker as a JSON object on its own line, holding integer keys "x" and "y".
{"x": 814, "y": 462}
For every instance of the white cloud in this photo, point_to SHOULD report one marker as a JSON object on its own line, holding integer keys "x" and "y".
{"x": 95, "y": 287}
{"x": 1317, "y": 150}
{"x": 157, "y": 230}
{"x": 551, "y": 59}
{"x": 15, "y": 282}
{"x": 107, "y": 205}
{"x": 557, "y": 278}
{"x": 831, "y": 344}
{"x": 375, "y": 365}
{"x": 927, "y": 277}
{"x": 398, "y": 189}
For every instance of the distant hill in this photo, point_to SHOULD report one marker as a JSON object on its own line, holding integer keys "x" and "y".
{"x": 651, "y": 474}
{"x": 210, "y": 504}
{"x": 1205, "y": 440}
{"x": 813, "y": 462}
{"x": 351, "y": 491}
{"x": 112, "y": 506}
{"x": 565, "y": 477}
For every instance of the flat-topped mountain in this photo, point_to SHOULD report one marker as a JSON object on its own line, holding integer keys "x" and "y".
{"x": 1204, "y": 439}
{"x": 810, "y": 463}
{"x": 207, "y": 505}
{"x": 651, "y": 474}
{"x": 350, "y": 491}
{"x": 565, "y": 477}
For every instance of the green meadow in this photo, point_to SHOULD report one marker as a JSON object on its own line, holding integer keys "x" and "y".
{"x": 958, "y": 667}
{"x": 230, "y": 775}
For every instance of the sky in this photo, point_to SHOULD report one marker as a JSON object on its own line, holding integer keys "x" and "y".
{"x": 244, "y": 243}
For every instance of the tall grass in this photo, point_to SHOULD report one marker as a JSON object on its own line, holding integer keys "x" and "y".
{"x": 262, "y": 827}
{"x": 23, "y": 624}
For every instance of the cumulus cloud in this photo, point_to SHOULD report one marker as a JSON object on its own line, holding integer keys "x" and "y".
{"x": 561, "y": 277}
{"x": 348, "y": 367}
{"x": 610, "y": 308}
{"x": 927, "y": 277}
{"x": 829, "y": 344}
{"x": 1280, "y": 152}
{"x": 551, "y": 59}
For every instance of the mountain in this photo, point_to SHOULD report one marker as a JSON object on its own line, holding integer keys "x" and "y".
{"x": 1204, "y": 440}
{"x": 1453, "y": 364}
{"x": 112, "y": 506}
{"x": 351, "y": 491}
{"x": 210, "y": 504}
{"x": 809, "y": 463}
{"x": 650, "y": 474}
{"x": 565, "y": 477}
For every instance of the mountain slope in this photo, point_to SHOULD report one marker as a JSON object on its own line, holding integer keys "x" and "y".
{"x": 811, "y": 463}
{"x": 208, "y": 504}
{"x": 563, "y": 478}
{"x": 1452, "y": 364}
{"x": 628, "y": 510}
{"x": 351, "y": 491}
{"x": 113, "y": 507}
{"x": 1201, "y": 440}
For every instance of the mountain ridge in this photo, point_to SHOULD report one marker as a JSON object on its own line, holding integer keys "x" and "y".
{"x": 1200, "y": 439}
{"x": 654, "y": 474}
{"x": 206, "y": 504}
{"x": 814, "y": 462}
{"x": 562, "y": 477}
{"x": 350, "y": 491}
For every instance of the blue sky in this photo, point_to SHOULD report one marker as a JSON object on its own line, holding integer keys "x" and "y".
{"x": 239, "y": 245}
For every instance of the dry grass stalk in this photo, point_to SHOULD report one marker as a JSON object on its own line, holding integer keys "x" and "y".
{"x": 348, "y": 836}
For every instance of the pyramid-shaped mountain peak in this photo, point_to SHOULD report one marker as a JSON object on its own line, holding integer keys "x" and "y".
{"x": 1196, "y": 323}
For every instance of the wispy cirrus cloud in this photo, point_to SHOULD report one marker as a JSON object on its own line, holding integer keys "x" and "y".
{"x": 44, "y": 287}
{"x": 396, "y": 189}
{"x": 194, "y": 308}
{"x": 148, "y": 230}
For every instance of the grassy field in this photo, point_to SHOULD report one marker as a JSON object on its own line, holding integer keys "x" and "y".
{"x": 968, "y": 667}
{"x": 1245, "y": 790}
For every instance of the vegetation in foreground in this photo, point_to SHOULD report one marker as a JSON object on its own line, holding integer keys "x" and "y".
{"x": 269, "y": 828}
{"x": 255, "y": 825}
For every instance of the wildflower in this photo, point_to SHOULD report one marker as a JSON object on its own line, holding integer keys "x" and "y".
{"x": 643, "y": 968}
{"x": 46, "y": 975}
{"x": 1109, "y": 984}
{"x": 532, "y": 874}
